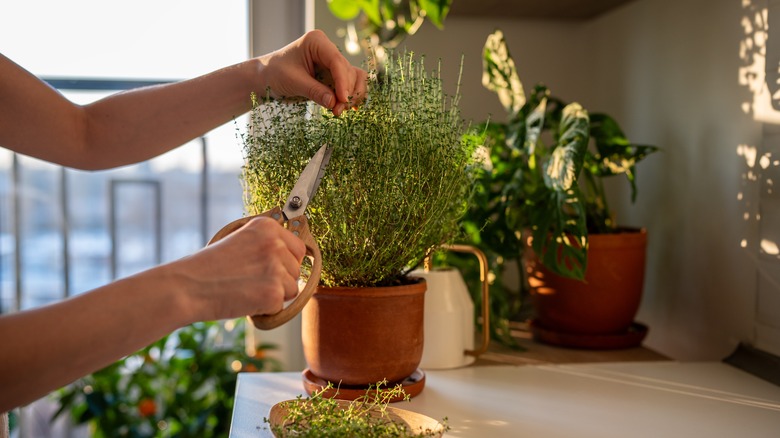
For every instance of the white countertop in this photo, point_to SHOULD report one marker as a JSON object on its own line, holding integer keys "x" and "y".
{"x": 636, "y": 399}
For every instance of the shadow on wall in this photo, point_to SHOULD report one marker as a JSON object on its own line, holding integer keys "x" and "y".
{"x": 759, "y": 75}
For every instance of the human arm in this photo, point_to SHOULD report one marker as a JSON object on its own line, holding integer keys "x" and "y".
{"x": 139, "y": 124}
{"x": 252, "y": 271}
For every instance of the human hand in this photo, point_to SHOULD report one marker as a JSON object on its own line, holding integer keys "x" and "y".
{"x": 313, "y": 68}
{"x": 252, "y": 271}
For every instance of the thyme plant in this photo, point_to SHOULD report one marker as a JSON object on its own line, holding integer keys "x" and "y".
{"x": 398, "y": 180}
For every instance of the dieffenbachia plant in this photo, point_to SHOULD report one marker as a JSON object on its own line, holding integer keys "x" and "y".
{"x": 541, "y": 192}
{"x": 544, "y": 178}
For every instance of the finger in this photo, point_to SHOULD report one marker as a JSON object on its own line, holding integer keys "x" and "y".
{"x": 321, "y": 90}
{"x": 347, "y": 92}
{"x": 290, "y": 264}
{"x": 277, "y": 300}
{"x": 319, "y": 93}
{"x": 359, "y": 88}
{"x": 294, "y": 244}
{"x": 327, "y": 55}
{"x": 277, "y": 288}
{"x": 291, "y": 289}
{"x": 286, "y": 248}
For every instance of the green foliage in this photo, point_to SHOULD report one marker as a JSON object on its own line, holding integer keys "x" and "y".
{"x": 385, "y": 23}
{"x": 367, "y": 416}
{"x": 547, "y": 165}
{"x": 180, "y": 386}
{"x": 398, "y": 180}
{"x": 542, "y": 173}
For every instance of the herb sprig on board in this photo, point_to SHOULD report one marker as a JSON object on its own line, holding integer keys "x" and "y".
{"x": 367, "y": 416}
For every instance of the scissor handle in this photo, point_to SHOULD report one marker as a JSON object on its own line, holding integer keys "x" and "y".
{"x": 299, "y": 226}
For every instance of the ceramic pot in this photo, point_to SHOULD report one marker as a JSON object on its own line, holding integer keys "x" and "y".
{"x": 449, "y": 313}
{"x": 606, "y": 302}
{"x": 360, "y": 336}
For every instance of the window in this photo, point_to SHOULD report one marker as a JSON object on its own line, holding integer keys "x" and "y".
{"x": 64, "y": 231}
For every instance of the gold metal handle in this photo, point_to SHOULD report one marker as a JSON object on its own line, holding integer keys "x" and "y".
{"x": 483, "y": 269}
{"x": 300, "y": 227}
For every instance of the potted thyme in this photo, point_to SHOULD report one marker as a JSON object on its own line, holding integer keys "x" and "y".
{"x": 398, "y": 180}
{"x": 543, "y": 194}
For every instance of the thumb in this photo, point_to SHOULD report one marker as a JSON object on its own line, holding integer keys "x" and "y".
{"x": 320, "y": 88}
{"x": 319, "y": 92}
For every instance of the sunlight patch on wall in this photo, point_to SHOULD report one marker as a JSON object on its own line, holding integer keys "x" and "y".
{"x": 759, "y": 75}
{"x": 756, "y": 53}
{"x": 749, "y": 154}
{"x": 749, "y": 180}
{"x": 769, "y": 247}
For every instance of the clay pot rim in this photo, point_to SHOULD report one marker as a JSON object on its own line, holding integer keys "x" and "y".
{"x": 411, "y": 288}
{"x": 626, "y": 237}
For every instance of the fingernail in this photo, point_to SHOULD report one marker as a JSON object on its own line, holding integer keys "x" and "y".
{"x": 328, "y": 100}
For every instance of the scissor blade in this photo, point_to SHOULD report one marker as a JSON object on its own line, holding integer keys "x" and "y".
{"x": 307, "y": 183}
{"x": 323, "y": 165}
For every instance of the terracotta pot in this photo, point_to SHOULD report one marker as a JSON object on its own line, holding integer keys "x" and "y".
{"x": 360, "y": 336}
{"x": 607, "y": 301}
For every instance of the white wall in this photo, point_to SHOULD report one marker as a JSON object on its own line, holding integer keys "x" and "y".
{"x": 669, "y": 71}
{"x": 274, "y": 24}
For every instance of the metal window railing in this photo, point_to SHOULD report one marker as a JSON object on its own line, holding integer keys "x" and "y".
{"x": 156, "y": 188}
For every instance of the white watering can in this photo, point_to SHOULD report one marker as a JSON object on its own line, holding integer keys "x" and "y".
{"x": 449, "y": 314}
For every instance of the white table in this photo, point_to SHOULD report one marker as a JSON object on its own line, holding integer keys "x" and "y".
{"x": 636, "y": 399}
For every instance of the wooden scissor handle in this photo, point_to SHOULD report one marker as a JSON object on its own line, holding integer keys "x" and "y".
{"x": 299, "y": 226}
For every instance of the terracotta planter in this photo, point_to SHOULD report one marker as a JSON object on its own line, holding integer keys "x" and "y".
{"x": 606, "y": 302}
{"x": 359, "y": 336}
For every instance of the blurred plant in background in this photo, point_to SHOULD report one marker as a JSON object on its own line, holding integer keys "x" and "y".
{"x": 180, "y": 386}
{"x": 543, "y": 175}
{"x": 376, "y": 26}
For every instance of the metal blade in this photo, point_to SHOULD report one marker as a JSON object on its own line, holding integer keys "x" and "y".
{"x": 307, "y": 183}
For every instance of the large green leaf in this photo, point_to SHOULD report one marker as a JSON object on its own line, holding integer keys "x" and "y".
{"x": 436, "y": 10}
{"x": 500, "y": 75}
{"x": 615, "y": 153}
{"x": 534, "y": 124}
{"x": 345, "y": 9}
{"x": 560, "y": 234}
{"x": 562, "y": 170}
{"x": 372, "y": 10}
{"x": 606, "y": 130}
{"x": 557, "y": 215}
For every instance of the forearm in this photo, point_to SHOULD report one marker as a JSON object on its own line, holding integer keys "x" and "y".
{"x": 250, "y": 272}
{"x": 123, "y": 128}
{"x": 139, "y": 124}
{"x": 134, "y": 126}
{"x": 48, "y": 347}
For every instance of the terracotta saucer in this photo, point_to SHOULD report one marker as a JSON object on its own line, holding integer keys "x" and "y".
{"x": 632, "y": 337}
{"x": 412, "y": 385}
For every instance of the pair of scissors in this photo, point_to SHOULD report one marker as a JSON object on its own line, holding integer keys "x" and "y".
{"x": 293, "y": 216}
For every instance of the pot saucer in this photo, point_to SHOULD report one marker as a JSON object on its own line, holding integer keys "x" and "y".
{"x": 631, "y": 337}
{"x": 412, "y": 385}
